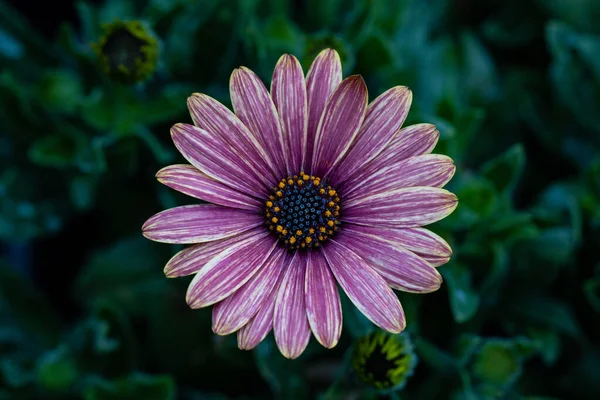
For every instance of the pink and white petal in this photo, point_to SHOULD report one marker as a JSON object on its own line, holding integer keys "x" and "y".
{"x": 199, "y": 223}
{"x": 236, "y": 310}
{"x": 342, "y": 118}
{"x": 288, "y": 90}
{"x": 384, "y": 118}
{"x": 187, "y": 179}
{"x": 213, "y": 116}
{"x": 324, "y": 75}
{"x": 411, "y": 141}
{"x": 290, "y": 323}
{"x": 214, "y": 157}
{"x": 424, "y": 243}
{"x": 323, "y": 304}
{"x": 229, "y": 270}
{"x": 401, "y": 268}
{"x": 259, "y": 326}
{"x": 189, "y": 260}
{"x": 254, "y": 107}
{"x": 434, "y": 170}
{"x": 365, "y": 287}
{"x": 402, "y": 208}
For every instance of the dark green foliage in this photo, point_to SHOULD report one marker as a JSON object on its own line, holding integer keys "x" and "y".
{"x": 514, "y": 89}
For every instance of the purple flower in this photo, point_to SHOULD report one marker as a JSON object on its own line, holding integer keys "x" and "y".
{"x": 310, "y": 187}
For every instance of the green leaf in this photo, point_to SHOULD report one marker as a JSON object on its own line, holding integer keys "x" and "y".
{"x": 554, "y": 245}
{"x": 591, "y": 289}
{"x": 53, "y": 150}
{"x": 374, "y": 53}
{"x": 504, "y": 171}
{"x": 127, "y": 274}
{"x": 548, "y": 344}
{"x": 56, "y": 371}
{"x": 477, "y": 200}
{"x": 436, "y": 358}
{"x": 135, "y": 386}
{"x": 22, "y": 303}
{"x": 61, "y": 90}
{"x": 285, "y": 377}
{"x": 464, "y": 301}
{"x": 10, "y": 47}
{"x": 548, "y": 312}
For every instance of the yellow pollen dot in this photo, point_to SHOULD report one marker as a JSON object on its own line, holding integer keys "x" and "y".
{"x": 272, "y": 197}
{"x": 269, "y": 204}
{"x": 308, "y": 239}
{"x": 322, "y": 191}
{"x": 284, "y": 232}
{"x": 321, "y": 238}
{"x": 337, "y": 208}
{"x": 330, "y": 223}
{"x": 293, "y": 240}
{"x": 335, "y": 214}
{"x": 328, "y": 213}
{"x": 322, "y": 229}
{"x": 330, "y": 204}
{"x": 274, "y": 220}
{"x": 305, "y": 177}
{"x": 298, "y": 232}
{"x": 303, "y": 245}
{"x": 279, "y": 228}
{"x": 290, "y": 181}
{"x": 277, "y": 209}
{"x": 331, "y": 192}
{"x": 300, "y": 183}
{"x": 330, "y": 232}
{"x": 311, "y": 230}
{"x": 281, "y": 185}
{"x": 279, "y": 193}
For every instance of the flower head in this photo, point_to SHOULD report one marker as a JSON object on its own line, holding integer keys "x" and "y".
{"x": 311, "y": 187}
{"x": 384, "y": 361}
{"x": 128, "y": 51}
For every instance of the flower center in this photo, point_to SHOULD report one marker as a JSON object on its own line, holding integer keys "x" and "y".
{"x": 303, "y": 212}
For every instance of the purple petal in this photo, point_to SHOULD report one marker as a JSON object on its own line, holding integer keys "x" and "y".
{"x": 290, "y": 322}
{"x": 188, "y": 180}
{"x": 424, "y": 243}
{"x": 199, "y": 223}
{"x": 411, "y": 141}
{"x": 215, "y": 158}
{"x": 402, "y": 269}
{"x": 253, "y": 106}
{"x": 288, "y": 90}
{"x": 342, "y": 117}
{"x": 189, "y": 260}
{"x": 433, "y": 170}
{"x": 324, "y": 75}
{"x": 235, "y": 311}
{"x": 213, "y": 116}
{"x": 383, "y": 120}
{"x": 229, "y": 270}
{"x": 365, "y": 287}
{"x": 259, "y": 326}
{"x": 322, "y": 301}
{"x": 402, "y": 208}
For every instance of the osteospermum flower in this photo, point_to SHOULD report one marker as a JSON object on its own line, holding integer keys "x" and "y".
{"x": 383, "y": 360}
{"x": 310, "y": 187}
{"x": 128, "y": 51}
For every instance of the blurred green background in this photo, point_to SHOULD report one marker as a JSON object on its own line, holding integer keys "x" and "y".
{"x": 514, "y": 88}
